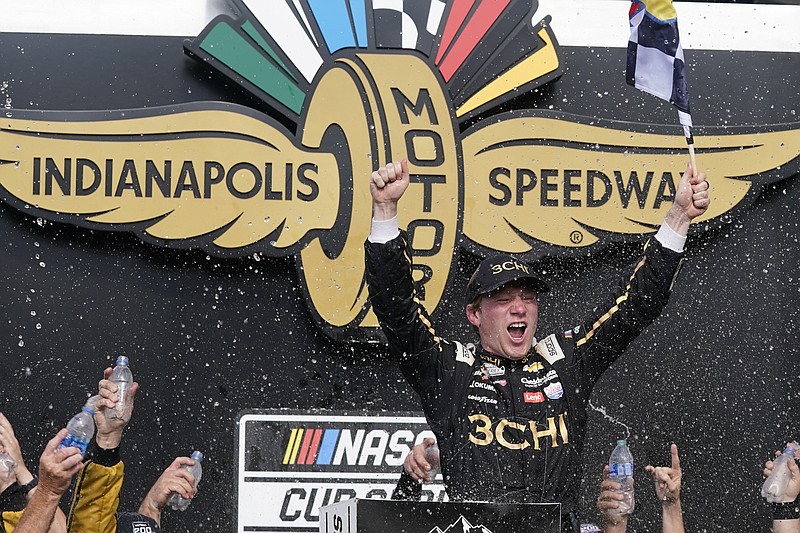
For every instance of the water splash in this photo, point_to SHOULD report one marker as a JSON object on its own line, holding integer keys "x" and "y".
{"x": 602, "y": 411}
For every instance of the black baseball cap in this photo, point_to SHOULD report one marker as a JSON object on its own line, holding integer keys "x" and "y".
{"x": 496, "y": 271}
{"x": 136, "y": 523}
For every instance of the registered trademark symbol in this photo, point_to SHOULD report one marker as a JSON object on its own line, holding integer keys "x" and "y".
{"x": 576, "y": 237}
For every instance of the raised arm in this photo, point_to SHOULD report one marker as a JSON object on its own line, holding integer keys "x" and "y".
{"x": 109, "y": 430}
{"x": 387, "y": 186}
{"x": 667, "y": 482}
{"x": 10, "y": 444}
{"x": 786, "y": 515}
{"x": 27, "y": 481}
{"x": 608, "y": 503}
{"x": 94, "y": 508}
{"x": 691, "y": 201}
{"x": 644, "y": 289}
{"x": 173, "y": 479}
{"x": 56, "y": 468}
{"x": 389, "y": 275}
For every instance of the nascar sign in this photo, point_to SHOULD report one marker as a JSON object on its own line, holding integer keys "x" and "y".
{"x": 291, "y": 464}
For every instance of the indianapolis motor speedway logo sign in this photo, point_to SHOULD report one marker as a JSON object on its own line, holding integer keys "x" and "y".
{"x": 357, "y": 84}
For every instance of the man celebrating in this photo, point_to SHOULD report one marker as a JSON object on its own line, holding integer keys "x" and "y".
{"x": 509, "y": 413}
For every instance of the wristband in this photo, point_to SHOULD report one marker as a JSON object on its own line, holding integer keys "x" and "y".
{"x": 786, "y": 511}
{"x": 103, "y": 456}
{"x": 29, "y": 486}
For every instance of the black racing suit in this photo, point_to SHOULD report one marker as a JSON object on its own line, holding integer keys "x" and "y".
{"x": 12, "y": 505}
{"x": 511, "y": 431}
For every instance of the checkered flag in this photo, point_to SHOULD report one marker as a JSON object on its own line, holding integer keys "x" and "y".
{"x": 418, "y": 21}
{"x": 655, "y": 57}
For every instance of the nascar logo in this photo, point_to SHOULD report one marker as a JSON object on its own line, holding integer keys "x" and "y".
{"x": 349, "y": 447}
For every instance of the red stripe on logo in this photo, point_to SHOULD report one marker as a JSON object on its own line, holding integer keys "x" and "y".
{"x": 303, "y": 460}
{"x": 312, "y": 452}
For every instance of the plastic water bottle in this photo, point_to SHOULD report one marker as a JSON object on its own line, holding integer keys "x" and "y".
{"x": 178, "y": 502}
{"x": 774, "y": 487}
{"x": 80, "y": 429}
{"x": 7, "y": 466}
{"x": 432, "y": 456}
{"x": 122, "y": 376}
{"x": 620, "y": 466}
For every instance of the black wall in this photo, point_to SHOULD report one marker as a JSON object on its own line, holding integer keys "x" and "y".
{"x": 208, "y": 337}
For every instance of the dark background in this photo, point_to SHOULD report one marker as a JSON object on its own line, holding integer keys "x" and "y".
{"x": 208, "y": 337}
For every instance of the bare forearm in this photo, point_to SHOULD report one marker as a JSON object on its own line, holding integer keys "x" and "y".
{"x": 149, "y": 508}
{"x": 678, "y": 221}
{"x": 59, "y": 523}
{"x": 672, "y": 517}
{"x": 786, "y": 526}
{"x": 619, "y": 526}
{"x": 24, "y": 475}
{"x": 110, "y": 439}
{"x": 39, "y": 512}
{"x": 384, "y": 210}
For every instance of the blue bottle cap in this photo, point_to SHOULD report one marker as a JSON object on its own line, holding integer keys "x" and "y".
{"x": 122, "y": 360}
{"x": 197, "y": 456}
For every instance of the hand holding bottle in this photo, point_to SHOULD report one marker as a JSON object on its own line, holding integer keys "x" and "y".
{"x": 122, "y": 377}
{"x": 608, "y": 504}
{"x": 783, "y": 476}
{"x": 176, "y": 480}
{"x": 80, "y": 429}
{"x": 110, "y": 428}
{"x": 10, "y": 444}
{"x": 422, "y": 463}
{"x": 195, "y": 468}
{"x": 9, "y": 447}
{"x": 620, "y": 468}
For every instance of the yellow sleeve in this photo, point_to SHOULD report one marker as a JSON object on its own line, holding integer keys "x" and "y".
{"x": 96, "y": 498}
{"x": 10, "y": 520}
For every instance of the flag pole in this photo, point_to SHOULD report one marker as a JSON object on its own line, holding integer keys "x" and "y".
{"x": 691, "y": 156}
{"x": 686, "y": 121}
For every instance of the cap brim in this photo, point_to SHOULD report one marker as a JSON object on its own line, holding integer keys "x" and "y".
{"x": 537, "y": 284}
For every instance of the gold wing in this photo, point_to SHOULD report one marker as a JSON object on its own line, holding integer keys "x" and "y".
{"x": 217, "y": 173}
{"x": 565, "y": 183}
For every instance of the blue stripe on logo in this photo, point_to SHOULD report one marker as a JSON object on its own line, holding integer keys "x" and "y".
{"x": 328, "y": 446}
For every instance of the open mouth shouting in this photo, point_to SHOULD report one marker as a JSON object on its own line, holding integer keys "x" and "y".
{"x": 517, "y": 330}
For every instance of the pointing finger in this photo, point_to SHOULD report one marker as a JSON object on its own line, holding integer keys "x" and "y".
{"x": 676, "y": 461}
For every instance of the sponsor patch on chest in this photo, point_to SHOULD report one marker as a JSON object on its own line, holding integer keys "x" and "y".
{"x": 482, "y": 399}
{"x": 493, "y": 370}
{"x": 532, "y": 397}
{"x": 538, "y": 381}
{"x": 549, "y": 349}
{"x": 554, "y": 391}
{"x": 465, "y": 354}
{"x": 535, "y": 366}
{"x": 481, "y": 385}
